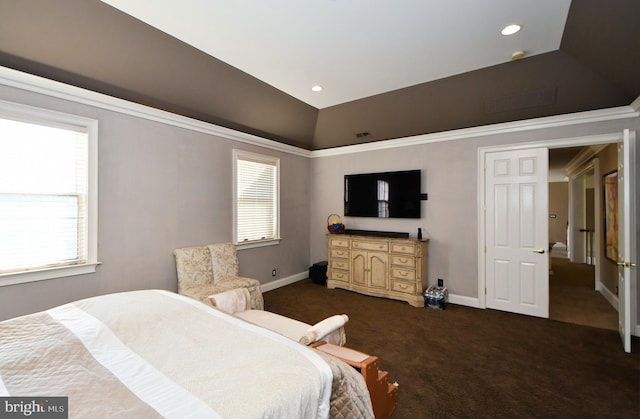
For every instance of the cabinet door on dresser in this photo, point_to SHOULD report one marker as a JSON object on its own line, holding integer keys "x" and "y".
{"x": 359, "y": 267}
{"x": 369, "y": 269}
{"x": 378, "y": 270}
{"x": 370, "y": 263}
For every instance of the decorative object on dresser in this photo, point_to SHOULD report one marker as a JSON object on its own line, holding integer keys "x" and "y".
{"x": 334, "y": 224}
{"x": 379, "y": 266}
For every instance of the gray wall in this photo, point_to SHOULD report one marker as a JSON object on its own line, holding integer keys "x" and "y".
{"x": 558, "y": 205}
{"x": 449, "y": 170}
{"x": 608, "y": 269}
{"x": 162, "y": 187}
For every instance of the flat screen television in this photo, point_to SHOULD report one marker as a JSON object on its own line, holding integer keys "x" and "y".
{"x": 383, "y": 195}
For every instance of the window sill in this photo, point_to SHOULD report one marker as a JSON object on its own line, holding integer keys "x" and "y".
{"x": 257, "y": 243}
{"x": 44, "y": 274}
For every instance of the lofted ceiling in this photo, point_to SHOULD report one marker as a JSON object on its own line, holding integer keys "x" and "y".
{"x": 389, "y": 69}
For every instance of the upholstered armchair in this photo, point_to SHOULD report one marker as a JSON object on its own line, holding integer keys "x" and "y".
{"x": 212, "y": 269}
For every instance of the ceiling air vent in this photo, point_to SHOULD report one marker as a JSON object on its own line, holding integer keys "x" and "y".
{"x": 362, "y": 134}
{"x": 531, "y": 99}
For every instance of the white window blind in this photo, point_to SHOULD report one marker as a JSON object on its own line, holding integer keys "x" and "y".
{"x": 43, "y": 195}
{"x": 256, "y": 195}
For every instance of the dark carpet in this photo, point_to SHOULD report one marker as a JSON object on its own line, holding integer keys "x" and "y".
{"x": 470, "y": 363}
{"x": 573, "y": 298}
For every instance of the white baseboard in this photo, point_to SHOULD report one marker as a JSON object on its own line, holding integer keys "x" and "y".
{"x": 453, "y": 298}
{"x": 609, "y": 296}
{"x": 464, "y": 301}
{"x": 284, "y": 281}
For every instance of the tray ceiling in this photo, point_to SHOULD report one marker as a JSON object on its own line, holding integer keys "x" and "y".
{"x": 355, "y": 48}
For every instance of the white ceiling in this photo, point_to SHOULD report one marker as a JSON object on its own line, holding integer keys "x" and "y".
{"x": 355, "y": 48}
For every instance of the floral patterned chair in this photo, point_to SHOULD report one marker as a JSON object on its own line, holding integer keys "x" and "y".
{"x": 212, "y": 269}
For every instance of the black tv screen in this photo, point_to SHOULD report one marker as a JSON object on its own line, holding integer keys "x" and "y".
{"x": 383, "y": 195}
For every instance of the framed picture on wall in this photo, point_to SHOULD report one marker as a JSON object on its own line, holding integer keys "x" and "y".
{"x": 610, "y": 188}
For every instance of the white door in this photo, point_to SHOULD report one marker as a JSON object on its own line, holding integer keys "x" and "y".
{"x": 626, "y": 234}
{"x": 516, "y": 231}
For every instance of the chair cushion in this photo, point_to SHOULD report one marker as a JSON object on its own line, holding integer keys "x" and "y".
{"x": 232, "y": 301}
{"x": 224, "y": 261}
{"x": 193, "y": 265}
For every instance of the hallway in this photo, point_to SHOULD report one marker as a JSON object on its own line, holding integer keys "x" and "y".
{"x": 573, "y": 299}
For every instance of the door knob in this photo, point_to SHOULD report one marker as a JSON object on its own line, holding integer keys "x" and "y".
{"x": 626, "y": 264}
{"x": 541, "y": 250}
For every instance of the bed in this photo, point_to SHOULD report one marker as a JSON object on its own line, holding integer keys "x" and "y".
{"x": 154, "y": 353}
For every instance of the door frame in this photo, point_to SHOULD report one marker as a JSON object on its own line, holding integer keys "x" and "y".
{"x": 610, "y": 138}
{"x": 575, "y": 172}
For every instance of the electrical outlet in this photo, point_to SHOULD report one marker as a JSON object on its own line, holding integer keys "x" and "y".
{"x": 273, "y": 272}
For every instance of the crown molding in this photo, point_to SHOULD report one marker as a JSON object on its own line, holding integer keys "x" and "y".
{"x": 41, "y": 85}
{"x": 635, "y": 105}
{"x": 577, "y": 118}
{"x": 587, "y": 154}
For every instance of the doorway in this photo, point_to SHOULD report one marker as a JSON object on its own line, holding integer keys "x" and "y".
{"x": 572, "y": 236}
{"x": 574, "y": 295}
{"x": 574, "y": 291}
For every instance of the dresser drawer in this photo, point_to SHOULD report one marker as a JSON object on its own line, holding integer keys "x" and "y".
{"x": 377, "y": 246}
{"x": 339, "y": 275}
{"x": 338, "y": 242}
{"x": 340, "y": 264}
{"x": 407, "y": 261}
{"x": 339, "y": 253}
{"x": 406, "y": 287}
{"x": 403, "y": 248}
{"x": 403, "y": 274}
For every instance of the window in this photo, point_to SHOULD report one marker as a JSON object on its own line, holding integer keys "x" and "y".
{"x": 48, "y": 194}
{"x": 383, "y": 199}
{"x": 256, "y": 198}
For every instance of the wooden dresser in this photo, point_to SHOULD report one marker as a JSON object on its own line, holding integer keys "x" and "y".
{"x": 379, "y": 266}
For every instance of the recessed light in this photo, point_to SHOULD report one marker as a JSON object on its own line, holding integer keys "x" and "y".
{"x": 510, "y": 29}
{"x": 316, "y": 88}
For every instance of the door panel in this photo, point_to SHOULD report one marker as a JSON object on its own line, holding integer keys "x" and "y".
{"x": 517, "y": 266}
{"x": 527, "y": 213}
{"x": 501, "y": 280}
{"x": 627, "y": 270}
{"x": 528, "y": 284}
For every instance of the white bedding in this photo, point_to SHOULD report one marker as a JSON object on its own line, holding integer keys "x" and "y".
{"x": 157, "y": 354}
